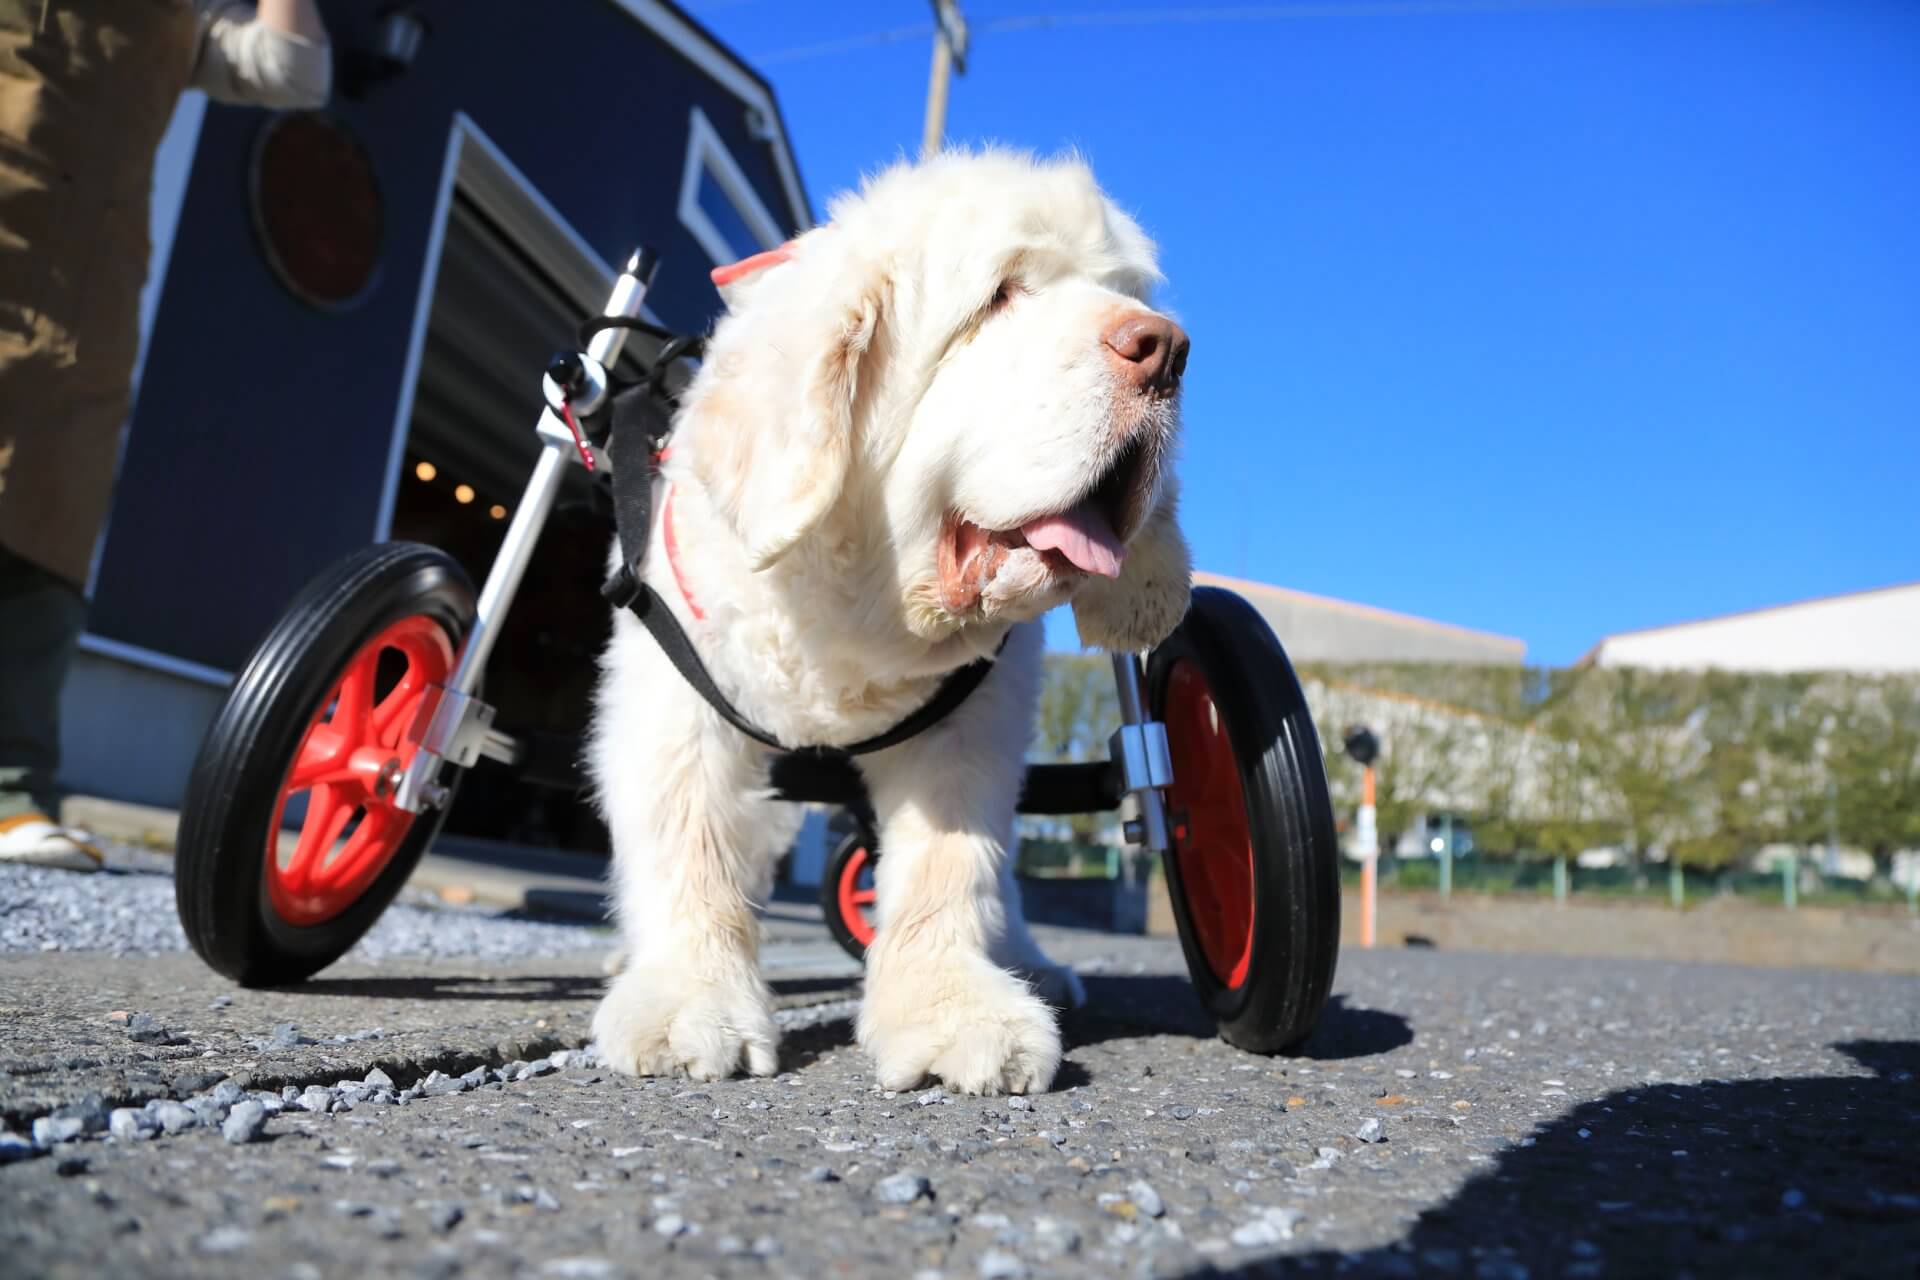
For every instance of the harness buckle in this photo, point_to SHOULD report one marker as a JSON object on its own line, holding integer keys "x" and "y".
{"x": 621, "y": 588}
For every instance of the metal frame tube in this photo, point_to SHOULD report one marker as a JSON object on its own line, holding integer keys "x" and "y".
{"x": 1133, "y": 711}
{"x": 629, "y": 295}
{"x": 510, "y": 565}
{"x": 467, "y": 725}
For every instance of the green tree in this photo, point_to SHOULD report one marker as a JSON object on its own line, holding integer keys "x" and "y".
{"x": 1873, "y": 761}
{"x": 1413, "y": 774}
{"x": 1638, "y": 743}
{"x": 1726, "y": 784}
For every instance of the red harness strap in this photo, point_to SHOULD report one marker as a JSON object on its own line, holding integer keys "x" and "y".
{"x": 722, "y": 276}
{"x": 673, "y": 557}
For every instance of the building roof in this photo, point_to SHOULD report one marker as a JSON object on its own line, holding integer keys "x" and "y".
{"x": 1801, "y": 616}
{"x": 1317, "y": 628}
{"x": 693, "y": 40}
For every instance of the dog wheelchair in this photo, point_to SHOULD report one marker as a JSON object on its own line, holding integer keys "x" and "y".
{"x": 347, "y": 732}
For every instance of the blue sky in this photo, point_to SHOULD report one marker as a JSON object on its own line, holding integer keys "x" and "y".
{"x": 1552, "y": 319}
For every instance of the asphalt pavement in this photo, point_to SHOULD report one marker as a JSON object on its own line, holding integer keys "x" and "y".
{"x": 1457, "y": 1114}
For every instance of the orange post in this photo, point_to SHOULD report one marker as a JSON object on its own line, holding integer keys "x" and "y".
{"x": 1369, "y": 859}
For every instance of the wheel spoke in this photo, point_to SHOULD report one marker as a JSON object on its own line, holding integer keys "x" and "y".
{"x": 322, "y": 759}
{"x": 1217, "y": 777}
{"x": 862, "y": 897}
{"x": 353, "y": 705}
{"x": 367, "y": 848}
{"x": 329, "y": 807}
{"x": 390, "y": 718}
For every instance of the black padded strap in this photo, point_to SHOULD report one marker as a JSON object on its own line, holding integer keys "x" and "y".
{"x": 665, "y": 629}
{"x": 640, "y": 425}
{"x": 945, "y": 701}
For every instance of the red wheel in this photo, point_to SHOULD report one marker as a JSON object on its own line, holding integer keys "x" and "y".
{"x": 312, "y": 736}
{"x": 348, "y": 764}
{"x": 1211, "y": 840}
{"x": 847, "y": 892}
{"x": 1253, "y": 871}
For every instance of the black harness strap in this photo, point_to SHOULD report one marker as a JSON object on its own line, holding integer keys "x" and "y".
{"x": 665, "y": 629}
{"x": 640, "y": 427}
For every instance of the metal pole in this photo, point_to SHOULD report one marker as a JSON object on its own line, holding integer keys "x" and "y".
{"x": 1790, "y": 882}
{"x": 1560, "y": 881}
{"x": 1913, "y": 884}
{"x": 1832, "y": 867}
{"x": 1446, "y": 855}
{"x": 936, "y": 122}
{"x": 950, "y": 44}
{"x": 1676, "y": 882}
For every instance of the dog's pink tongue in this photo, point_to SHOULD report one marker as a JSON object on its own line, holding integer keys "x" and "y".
{"x": 1083, "y": 536}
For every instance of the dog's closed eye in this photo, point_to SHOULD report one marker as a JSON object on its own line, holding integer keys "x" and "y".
{"x": 1002, "y": 298}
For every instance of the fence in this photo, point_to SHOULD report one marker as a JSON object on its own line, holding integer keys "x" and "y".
{"x": 1794, "y": 884}
{"x": 1560, "y": 878}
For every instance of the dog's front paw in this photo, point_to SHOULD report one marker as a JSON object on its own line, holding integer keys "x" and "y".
{"x": 976, "y": 1028}
{"x": 654, "y": 1022}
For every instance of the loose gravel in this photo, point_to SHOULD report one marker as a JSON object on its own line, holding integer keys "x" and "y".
{"x": 241, "y": 1116}
{"x": 133, "y": 913}
{"x": 1458, "y": 1115}
{"x": 1580, "y": 1119}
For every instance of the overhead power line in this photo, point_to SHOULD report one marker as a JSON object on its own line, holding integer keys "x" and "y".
{"x": 1216, "y": 16}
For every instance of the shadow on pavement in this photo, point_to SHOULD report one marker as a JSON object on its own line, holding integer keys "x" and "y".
{"x": 1160, "y": 1004}
{"x": 1346, "y": 1032}
{"x": 1120, "y": 1006}
{"x": 571, "y": 906}
{"x": 1818, "y": 1176}
{"x": 814, "y": 986}
{"x": 455, "y": 987}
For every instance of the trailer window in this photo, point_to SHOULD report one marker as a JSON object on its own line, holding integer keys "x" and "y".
{"x": 718, "y": 205}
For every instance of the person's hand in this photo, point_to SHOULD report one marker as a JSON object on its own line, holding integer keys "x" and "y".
{"x": 295, "y": 17}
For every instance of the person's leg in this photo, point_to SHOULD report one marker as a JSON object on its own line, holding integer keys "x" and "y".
{"x": 41, "y": 616}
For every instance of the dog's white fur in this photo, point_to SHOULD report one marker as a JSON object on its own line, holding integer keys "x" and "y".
{"x": 855, "y": 396}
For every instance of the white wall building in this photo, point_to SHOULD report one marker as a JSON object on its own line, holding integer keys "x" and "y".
{"x": 1866, "y": 632}
{"x": 1321, "y": 629}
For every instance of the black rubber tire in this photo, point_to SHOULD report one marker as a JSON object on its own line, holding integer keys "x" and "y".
{"x": 219, "y": 865}
{"x": 830, "y": 889}
{"x": 1296, "y": 870}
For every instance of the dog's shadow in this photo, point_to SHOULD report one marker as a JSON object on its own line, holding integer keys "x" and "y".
{"x": 1122, "y": 1007}
{"x": 1804, "y": 1175}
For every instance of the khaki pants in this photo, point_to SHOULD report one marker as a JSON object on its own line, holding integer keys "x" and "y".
{"x": 86, "y": 90}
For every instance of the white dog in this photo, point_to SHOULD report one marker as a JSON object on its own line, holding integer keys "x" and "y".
{"x": 923, "y": 424}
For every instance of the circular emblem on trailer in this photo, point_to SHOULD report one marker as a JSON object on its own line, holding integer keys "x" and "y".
{"x": 317, "y": 209}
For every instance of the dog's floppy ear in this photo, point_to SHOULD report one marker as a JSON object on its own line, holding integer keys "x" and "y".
{"x": 775, "y": 416}
{"x": 1141, "y": 607}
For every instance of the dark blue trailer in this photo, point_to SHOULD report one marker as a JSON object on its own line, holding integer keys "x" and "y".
{"x": 346, "y": 320}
